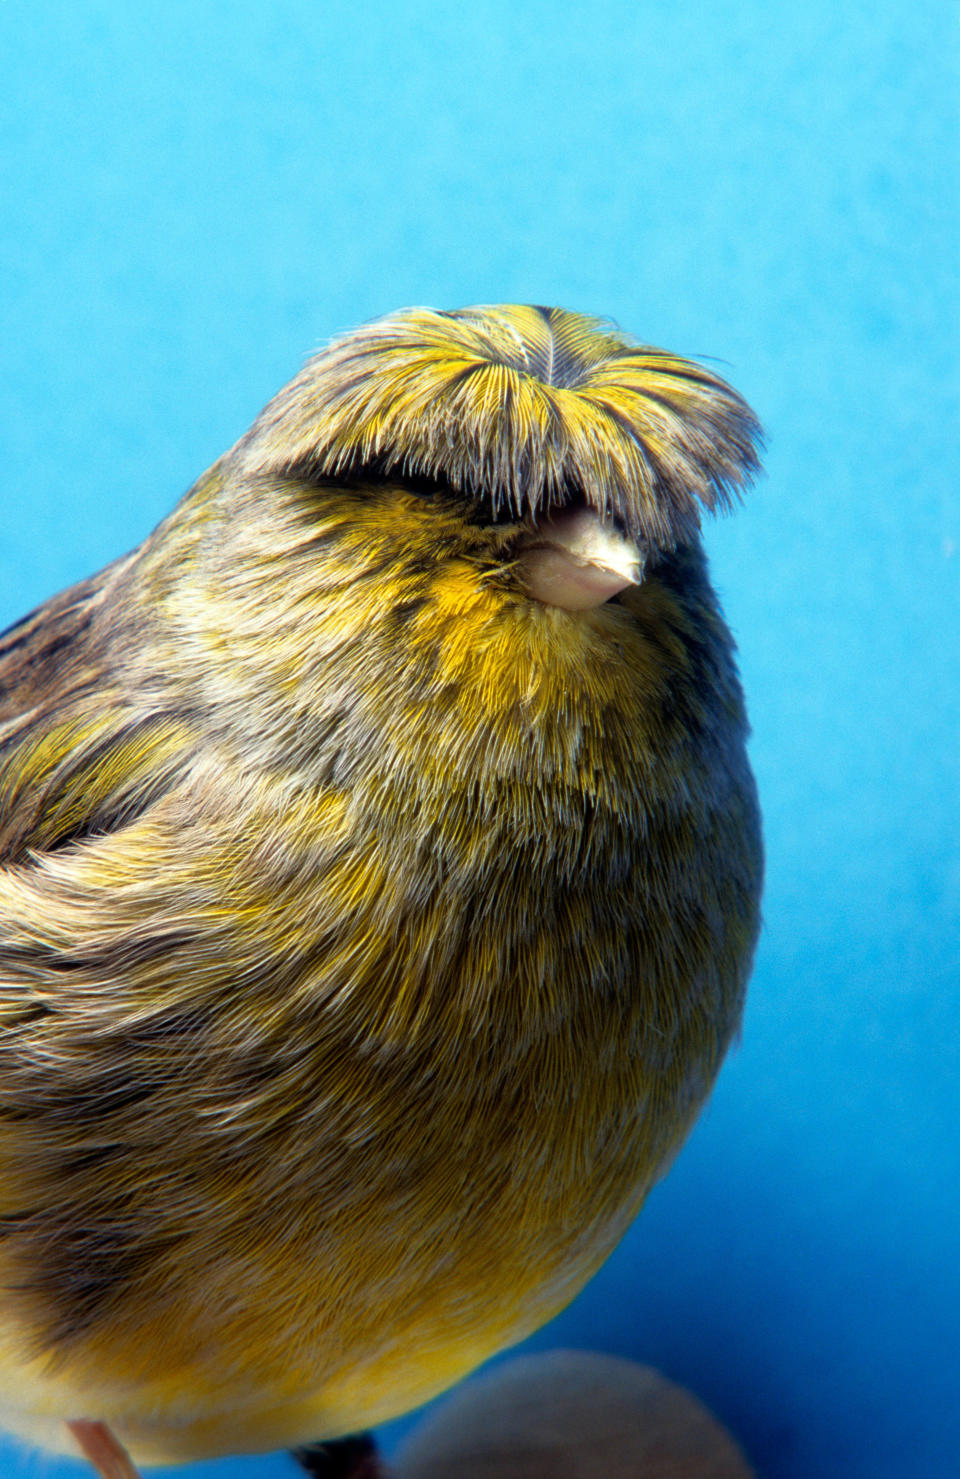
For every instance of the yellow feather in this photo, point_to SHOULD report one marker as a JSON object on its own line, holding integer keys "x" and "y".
{"x": 370, "y": 931}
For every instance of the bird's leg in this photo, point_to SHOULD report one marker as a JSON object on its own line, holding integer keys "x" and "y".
{"x": 108, "y": 1456}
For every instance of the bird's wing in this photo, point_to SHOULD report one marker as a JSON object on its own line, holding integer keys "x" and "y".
{"x": 82, "y": 749}
{"x": 97, "y": 966}
{"x": 36, "y": 651}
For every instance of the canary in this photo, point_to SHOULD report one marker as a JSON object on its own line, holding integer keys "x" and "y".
{"x": 379, "y": 877}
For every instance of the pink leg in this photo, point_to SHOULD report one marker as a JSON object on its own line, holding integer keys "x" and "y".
{"x": 97, "y": 1443}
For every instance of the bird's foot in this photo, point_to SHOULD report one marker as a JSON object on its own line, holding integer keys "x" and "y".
{"x": 104, "y": 1451}
{"x": 344, "y": 1458}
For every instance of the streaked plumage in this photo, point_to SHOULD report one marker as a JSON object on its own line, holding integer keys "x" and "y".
{"x": 370, "y": 931}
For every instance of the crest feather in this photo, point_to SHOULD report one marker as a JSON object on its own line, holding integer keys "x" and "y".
{"x": 524, "y": 407}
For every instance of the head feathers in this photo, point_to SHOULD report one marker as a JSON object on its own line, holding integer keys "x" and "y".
{"x": 521, "y": 407}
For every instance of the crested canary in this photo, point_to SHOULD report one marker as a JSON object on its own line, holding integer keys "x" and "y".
{"x": 379, "y": 880}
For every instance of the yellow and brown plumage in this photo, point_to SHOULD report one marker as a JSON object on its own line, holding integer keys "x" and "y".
{"x": 373, "y": 921}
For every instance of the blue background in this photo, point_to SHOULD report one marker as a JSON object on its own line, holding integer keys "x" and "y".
{"x": 197, "y": 195}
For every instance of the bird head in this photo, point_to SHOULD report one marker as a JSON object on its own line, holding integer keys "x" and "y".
{"x": 569, "y": 454}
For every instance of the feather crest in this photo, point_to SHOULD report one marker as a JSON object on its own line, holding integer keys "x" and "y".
{"x": 521, "y": 406}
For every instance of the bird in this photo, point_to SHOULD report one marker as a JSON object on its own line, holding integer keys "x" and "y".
{"x": 380, "y": 875}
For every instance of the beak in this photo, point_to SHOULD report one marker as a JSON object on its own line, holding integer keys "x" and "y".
{"x": 576, "y": 561}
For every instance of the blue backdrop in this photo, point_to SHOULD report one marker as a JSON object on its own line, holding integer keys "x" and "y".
{"x": 196, "y": 195}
